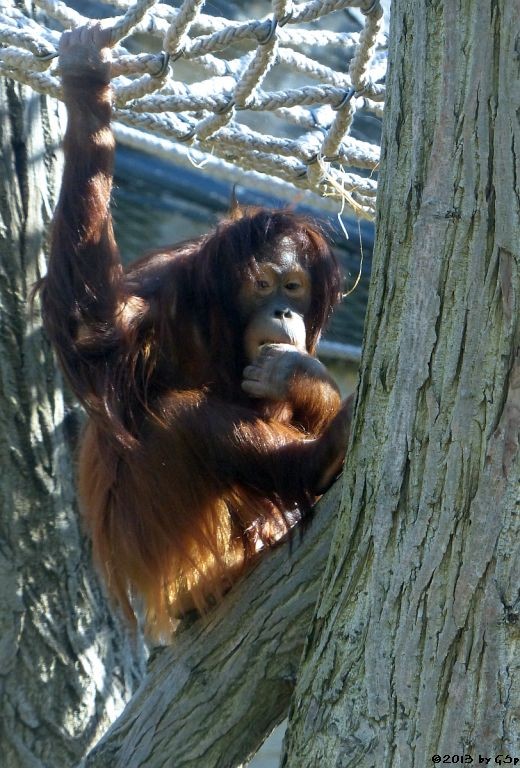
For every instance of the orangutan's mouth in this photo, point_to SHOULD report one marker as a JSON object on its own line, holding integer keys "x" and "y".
{"x": 279, "y": 338}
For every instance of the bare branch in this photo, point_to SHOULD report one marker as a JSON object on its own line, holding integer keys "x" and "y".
{"x": 213, "y": 696}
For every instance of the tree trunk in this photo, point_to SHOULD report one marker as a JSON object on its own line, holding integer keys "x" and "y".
{"x": 415, "y": 642}
{"x": 65, "y": 665}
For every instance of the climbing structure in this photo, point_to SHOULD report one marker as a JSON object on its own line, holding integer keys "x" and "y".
{"x": 209, "y": 82}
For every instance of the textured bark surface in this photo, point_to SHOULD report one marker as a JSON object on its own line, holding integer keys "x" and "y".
{"x": 415, "y": 647}
{"x": 213, "y": 696}
{"x": 65, "y": 666}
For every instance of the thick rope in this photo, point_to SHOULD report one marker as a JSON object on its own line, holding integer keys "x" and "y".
{"x": 312, "y": 149}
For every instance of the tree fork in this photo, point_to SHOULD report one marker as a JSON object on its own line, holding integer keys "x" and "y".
{"x": 211, "y": 698}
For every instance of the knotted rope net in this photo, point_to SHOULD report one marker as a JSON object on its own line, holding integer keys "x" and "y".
{"x": 204, "y": 89}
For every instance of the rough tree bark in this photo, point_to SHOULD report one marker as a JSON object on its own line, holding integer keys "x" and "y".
{"x": 65, "y": 665}
{"x": 414, "y": 649}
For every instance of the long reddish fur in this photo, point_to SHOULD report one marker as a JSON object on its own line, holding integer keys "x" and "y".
{"x": 181, "y": 475}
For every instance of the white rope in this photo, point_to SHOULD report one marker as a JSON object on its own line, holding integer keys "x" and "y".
{"x": 307, "y": 146}
{"x": 132, "y": 17}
